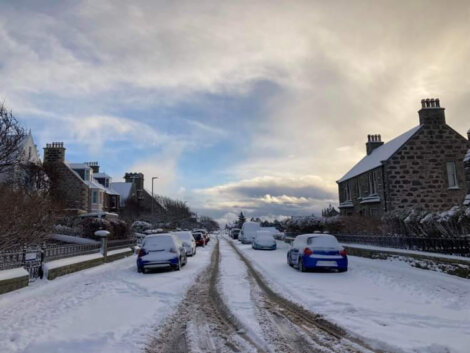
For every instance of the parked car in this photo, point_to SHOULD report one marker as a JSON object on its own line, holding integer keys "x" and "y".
{"x": 311, "y": 251}
{"x": 189, "y": 244}
{"x": 248, "y": 232}
{"x": 199, "y": 238}
{"x": 234, "y": 233}
{"x": 264, "y": 241}
{"x": 161, "y": 251}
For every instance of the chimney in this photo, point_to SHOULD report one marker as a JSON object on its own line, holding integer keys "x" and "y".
{"x": 94, "y": 166}
{"x": 54, "y": 152}
{"x": 468, "y": 134}
{"x": 431, "y": 112}
{"x": 373, "y": 141}
{"x": 137, "y": 179}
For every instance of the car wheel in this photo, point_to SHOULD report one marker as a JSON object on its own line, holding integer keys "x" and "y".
{"x": 301, "y": 265}
{"x": 178, "y": 266}
{"x": 344, "y": 269}
{"x": 288, "y": 260}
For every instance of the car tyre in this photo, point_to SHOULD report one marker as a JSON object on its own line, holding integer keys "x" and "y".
{"x": 344, "y": 269}
{"x": 301, "y": 265}
{"x": 178, "y": 266}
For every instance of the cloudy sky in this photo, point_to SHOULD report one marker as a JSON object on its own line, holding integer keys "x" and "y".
{"x": 252, "y": 105}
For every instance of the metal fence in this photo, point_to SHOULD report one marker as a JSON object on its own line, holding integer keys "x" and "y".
{"x": 32, "y": 258}
{"x": 121, "y": 244}
{"x": 457, "y": 246}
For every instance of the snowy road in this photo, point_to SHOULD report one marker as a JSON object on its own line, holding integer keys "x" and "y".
{"x": 109, "y": 308}
{"x": 394, "y": 307}
{"x": 208, "y": 321}
{"x": 232, "y": 300}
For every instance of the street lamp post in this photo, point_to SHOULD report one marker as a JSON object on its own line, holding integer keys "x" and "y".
{"x": 153, "y": 178}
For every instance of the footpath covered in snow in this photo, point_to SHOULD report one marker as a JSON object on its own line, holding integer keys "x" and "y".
{"x": 390, "y": 304}
{"x": 109, "y": 308}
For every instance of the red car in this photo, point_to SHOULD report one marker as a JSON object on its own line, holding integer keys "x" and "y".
{"x": 199, "y": 238}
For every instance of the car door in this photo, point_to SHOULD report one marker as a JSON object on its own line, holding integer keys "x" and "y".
{"x": 294, "y": 251}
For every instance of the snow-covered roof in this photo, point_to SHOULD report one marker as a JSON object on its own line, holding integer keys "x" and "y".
{"x": 101, "y": 175}
{"x": 78, "y": 166}
{"x": 95, "y": 185}
{"x": 380, "y": 154}
{"x": 123, "y": 189}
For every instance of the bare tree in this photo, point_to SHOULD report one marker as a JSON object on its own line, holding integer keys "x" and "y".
{"x": 25, "y": 218}
{"x": 11, "y": 138}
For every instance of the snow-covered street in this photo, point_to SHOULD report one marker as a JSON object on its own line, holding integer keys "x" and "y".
{"x": 109, "y": 308}
{"x": 383, "y": 306}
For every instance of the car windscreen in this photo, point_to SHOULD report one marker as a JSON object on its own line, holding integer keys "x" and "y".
{"x": 197, "y": 236}
{"x": 323, "y": 242}
{"x": 161, "y": 242}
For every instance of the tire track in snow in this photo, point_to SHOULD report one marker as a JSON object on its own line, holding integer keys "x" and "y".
{"x": 294, "y": 327}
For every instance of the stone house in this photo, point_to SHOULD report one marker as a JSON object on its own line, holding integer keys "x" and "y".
{"x": 74, "y": 183}
{"x": 422, "y": 168}
{"x": 132, "y": 191}
{"x": 22, "y": 174}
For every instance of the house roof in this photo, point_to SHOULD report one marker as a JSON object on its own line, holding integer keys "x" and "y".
{"x": 101, "y": 175}
{"x": 123, "y": 189}
{"x": 380, "y": 154}
{"x": 78, "y": 166}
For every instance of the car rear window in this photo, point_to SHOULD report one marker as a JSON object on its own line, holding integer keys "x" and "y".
{"x": 184, "y": 236}
{"x": 161, "y": 242}
{"x": 323, "y": 242}
{"x": 264, "y": 236}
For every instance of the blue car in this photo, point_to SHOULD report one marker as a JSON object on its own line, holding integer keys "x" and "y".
{"x": 263, "y": 241}
{"x": 317, "y": 251}
{"x": 161, "y": 251}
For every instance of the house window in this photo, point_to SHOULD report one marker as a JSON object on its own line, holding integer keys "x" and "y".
{"x": 372, "y": 184}
{"x": 452, "y": 175}
{"x": 30, "y": 152}
{"x": 358, "y": 189}
{"x": 347, "y": 192}
{"x": 95, "y": 197}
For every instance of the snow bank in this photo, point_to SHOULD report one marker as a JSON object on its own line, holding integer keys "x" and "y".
{"x": 408, "y": 252}
{"x": 72, "y": 239}
{"x": 70, "y": 261}
{"x": 13, "y": 273}
{"x": 119, "y": 251}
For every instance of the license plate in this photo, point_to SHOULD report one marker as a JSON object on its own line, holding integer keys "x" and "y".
{"x": 327, "y": 263}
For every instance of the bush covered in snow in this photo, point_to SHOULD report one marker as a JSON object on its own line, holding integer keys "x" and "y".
{"x": 450, "y": 223}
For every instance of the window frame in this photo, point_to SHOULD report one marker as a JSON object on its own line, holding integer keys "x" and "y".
{"x": 451, "y": 169}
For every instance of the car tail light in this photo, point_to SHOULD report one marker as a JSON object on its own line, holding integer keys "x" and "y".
{"x": 308, "y": 251}
{"x": 343, "y": 253}
{"x": 173, "y": 250}
{"x": 142, "y": 252}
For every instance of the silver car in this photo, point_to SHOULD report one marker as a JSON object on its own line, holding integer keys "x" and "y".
{"x": 189, "y": 244}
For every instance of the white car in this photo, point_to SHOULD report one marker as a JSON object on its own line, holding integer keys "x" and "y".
{"x": 189, "y": 244}
{"x": 248, "y": 232}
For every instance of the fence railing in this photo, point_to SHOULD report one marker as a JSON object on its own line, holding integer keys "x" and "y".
{"x": 120, "y": 244}
{"x": 456, "y": 246}
{"x": 31, "y": 258}
{"x": 56, "y": 252}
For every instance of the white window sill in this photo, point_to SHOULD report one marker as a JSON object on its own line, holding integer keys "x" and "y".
{"x": 453, "y": 188}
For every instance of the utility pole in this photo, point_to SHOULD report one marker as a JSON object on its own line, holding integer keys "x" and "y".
{"x": 153, "y": 178}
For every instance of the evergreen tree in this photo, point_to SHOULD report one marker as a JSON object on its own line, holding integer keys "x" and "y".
{"x": 241, "y": 219}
